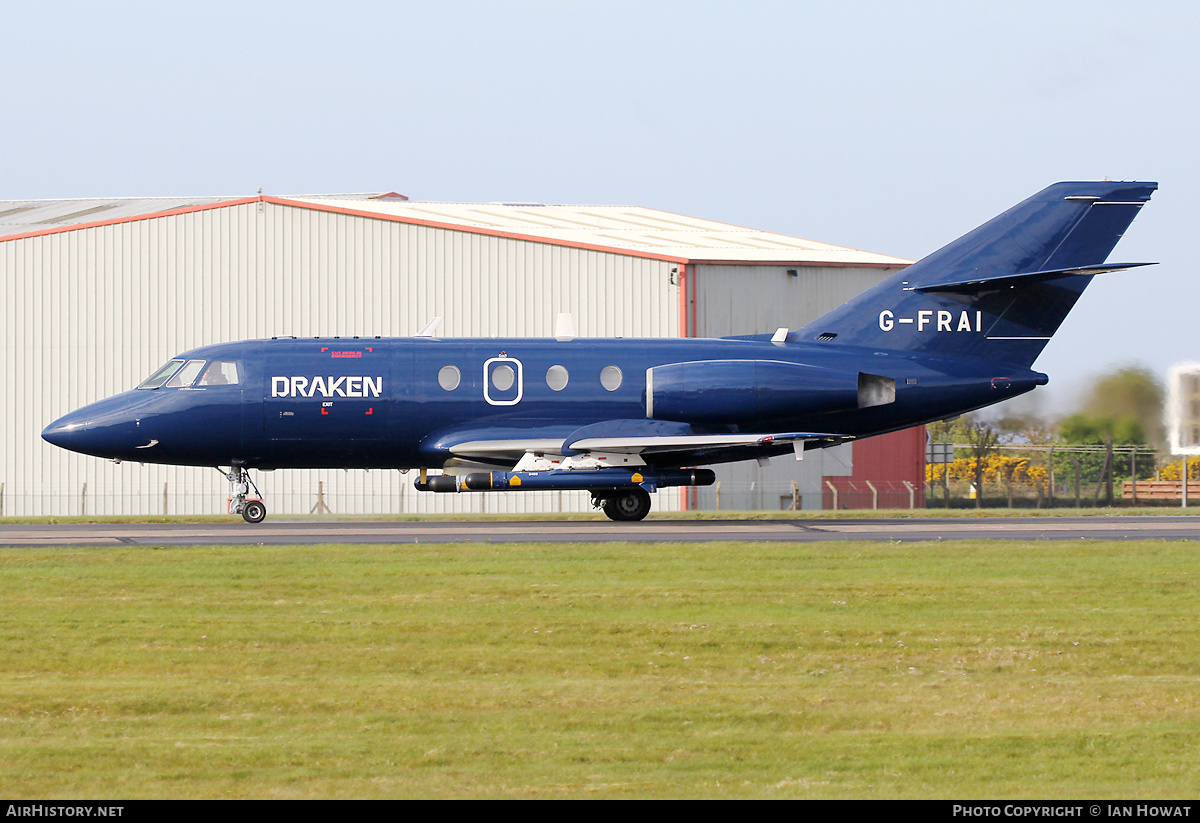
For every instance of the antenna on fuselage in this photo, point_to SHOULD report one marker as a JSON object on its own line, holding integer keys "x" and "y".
{"x": 564, "y": 328}
{"x": 430, "y": 327}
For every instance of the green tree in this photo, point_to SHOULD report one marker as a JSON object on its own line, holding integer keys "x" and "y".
{"x": 1123, "y": 408}
{"x": 1128, "y": 405}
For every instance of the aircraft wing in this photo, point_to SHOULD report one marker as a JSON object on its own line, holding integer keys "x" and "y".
{"x": 663, "y": 444}
{"x": 659, "y": 445}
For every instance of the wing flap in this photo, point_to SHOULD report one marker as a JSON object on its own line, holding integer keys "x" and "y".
{"x": 661, "y": 444}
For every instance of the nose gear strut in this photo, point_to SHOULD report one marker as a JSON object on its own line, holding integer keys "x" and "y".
{"x": 252, "y": 509}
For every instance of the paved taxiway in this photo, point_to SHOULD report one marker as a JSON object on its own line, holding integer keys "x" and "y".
{"x": 281, "y": 531}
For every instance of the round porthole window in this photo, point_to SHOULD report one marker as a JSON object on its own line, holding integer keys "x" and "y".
{"x": 556, "y": 377}
{"x": 610, "y": 378}
{"x": 503, "y": 377}
{"x": 449, "y": 377}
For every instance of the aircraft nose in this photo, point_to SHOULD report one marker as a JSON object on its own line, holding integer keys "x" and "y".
{"x": 93, "y": 430}
{"x": 77, "y": 434}
{"x": 64, "y": 432}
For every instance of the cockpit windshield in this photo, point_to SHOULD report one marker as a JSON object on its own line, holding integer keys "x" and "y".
{"x": 161, "y": 376}
{"x": 180, "y": 374}
{"x": 186, "y": 375}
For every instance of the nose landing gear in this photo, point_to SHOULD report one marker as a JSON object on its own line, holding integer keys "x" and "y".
{"x": 252, "y": 509}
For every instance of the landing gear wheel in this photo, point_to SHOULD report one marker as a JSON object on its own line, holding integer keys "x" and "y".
{"x": 253, "y": 511}
{"x": 630, "y": 505}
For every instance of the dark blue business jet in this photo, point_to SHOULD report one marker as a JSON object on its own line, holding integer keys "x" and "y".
{"x": 954, "y": 332}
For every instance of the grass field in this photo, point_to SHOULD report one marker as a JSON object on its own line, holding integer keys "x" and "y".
{"x": 725, "y": 670}
{"x": 1173, "y": 510}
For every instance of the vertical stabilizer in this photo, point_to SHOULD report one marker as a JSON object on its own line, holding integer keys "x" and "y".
{"x": 1000, "y": 291}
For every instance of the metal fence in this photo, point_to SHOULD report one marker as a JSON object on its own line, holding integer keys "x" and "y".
{"x": 168, "y": 501}
{"x": 866, "y": 494}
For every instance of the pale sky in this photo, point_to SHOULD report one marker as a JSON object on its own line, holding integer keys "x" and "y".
{"x": 891, "y": 127}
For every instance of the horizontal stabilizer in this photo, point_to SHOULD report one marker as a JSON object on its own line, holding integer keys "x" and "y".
{"x": 1003, "y": 280}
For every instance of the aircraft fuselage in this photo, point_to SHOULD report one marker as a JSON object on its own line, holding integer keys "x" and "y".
{"x": 402, "y": 403}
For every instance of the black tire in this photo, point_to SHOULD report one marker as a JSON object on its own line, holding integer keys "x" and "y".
{"x": 254, "y": 511}
{"x": 630, "y": 505}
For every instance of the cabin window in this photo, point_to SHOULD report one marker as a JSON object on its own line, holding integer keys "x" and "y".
{"x": 161, "y": 376}
{"x": 610, "y": 378}
{"x": 187, "y": 375}
{"x": 557, "y": 377}
{"x": 220, "y": 373}
{"x": 503, "y": 377}
{"x": 449, "y": 377}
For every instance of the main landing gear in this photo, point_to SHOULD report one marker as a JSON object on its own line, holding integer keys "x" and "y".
{"x": 623, "y": 505}
{"x": 252, "y": 509}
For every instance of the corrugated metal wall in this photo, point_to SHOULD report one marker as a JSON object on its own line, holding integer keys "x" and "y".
{"x": 733, "y": 299}
{"x": 91, "y": 312}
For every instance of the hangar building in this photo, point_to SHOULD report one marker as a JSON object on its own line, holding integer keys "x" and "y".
{"x": 98, "y": 293}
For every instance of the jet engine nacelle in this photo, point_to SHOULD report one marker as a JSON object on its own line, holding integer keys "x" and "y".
{"x": 730, "y": 391}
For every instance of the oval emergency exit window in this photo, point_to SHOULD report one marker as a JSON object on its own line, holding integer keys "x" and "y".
{"x": 502, "y": 382}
